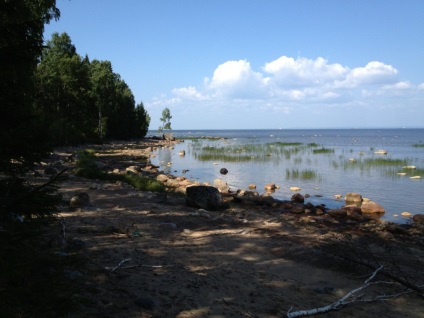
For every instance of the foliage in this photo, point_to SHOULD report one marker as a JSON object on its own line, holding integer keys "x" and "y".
{"x": 82, "y": 100}
{"x": 23, "y": 139}
{"x": 166, "y": 120}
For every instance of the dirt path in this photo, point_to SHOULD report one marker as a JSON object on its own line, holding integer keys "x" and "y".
{"x": 177, "y": 261}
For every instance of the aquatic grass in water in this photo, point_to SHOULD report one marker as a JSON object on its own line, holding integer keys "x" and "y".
{"x": 384, "y": 162}
{"x": 301, "y": 174}
{"x": 420, "y": 145}
{"x": 228, "y": 152}
{"x": 322, "y": 150}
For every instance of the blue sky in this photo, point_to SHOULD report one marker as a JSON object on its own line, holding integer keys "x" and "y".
{"x": 237, "y": 64}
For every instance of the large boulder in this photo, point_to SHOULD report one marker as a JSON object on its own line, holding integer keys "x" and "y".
{"x": 371, "y": 207}
{"x": 204, "y": 197}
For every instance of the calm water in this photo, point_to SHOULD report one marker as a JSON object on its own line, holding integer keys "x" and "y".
{"x": 341, "y": 171}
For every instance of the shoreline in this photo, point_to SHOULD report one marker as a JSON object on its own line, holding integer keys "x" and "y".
{"x": 182, "y": 261}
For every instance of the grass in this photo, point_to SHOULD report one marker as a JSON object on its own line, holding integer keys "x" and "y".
{"x": 87, "y": 168}
{"x": 375, "y": 162}
{"x": 226, "y": 152}
{"x": 420, "y": 145}
{"x": 322, "y": 150}
{"x": 301, "y": 174}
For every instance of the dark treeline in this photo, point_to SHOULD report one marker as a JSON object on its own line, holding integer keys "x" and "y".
{"x": 51, "y": 96}
{"x": 82, "y": 100}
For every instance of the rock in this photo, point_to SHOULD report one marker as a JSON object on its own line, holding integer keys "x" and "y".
{"x": 338, "y": 213}
{"x": 222, "y": 186}
{"x": 298, "y": 198}
{"x": 252, "y": 186}
{"x": 353, "y": 211}
{"x": 168, "y": 137}
{"x": 133, "y": 169}
{"x": 353, "y": 198}
{"x": 406, "y": 214}
{"x": 270, "y": 186}
{"x": 244, "y": 193}
{"x": 181, "y": 153}
{"x": 162, "y": 178}
{"x": 80, "y": 200}
{"x": 294, "y": 189}
{"x": 371, "y": 207}
{"x": 418, "y": 218}
{"x": 223, "y": 171}
{"x": 297, "y": 208}
{"x": 172, "y": 183}
{"x": 396, "y": 229}
{"x": 204, "y": 197}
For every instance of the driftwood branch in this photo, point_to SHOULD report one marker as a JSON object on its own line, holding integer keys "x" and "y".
{"x": 354, "y": 296}
{"x": 119, "y": 265}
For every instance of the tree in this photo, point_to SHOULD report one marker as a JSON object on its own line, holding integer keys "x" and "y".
{"x": 63, "y": 92}
{"x": 166, "y": 120}
{"x": 23, "y": 141}
{"x": 142, "y": 121}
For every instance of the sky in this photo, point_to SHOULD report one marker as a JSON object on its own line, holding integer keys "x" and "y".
{"x": 260, "y": 64}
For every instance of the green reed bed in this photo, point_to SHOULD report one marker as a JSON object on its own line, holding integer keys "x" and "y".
{"x": 420, "y": 145}
{"x": 245, "y": 152}
{"x": 378, "y": 162}
{"x": 306, "y": 174}
{"x": 322, "y": 150}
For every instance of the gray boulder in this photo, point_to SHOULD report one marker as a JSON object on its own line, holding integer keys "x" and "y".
{"x": 204, "y": 197}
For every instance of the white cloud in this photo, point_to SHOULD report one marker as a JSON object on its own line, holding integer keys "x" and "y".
{"x": 237, "y": 80}
{"x": 287, "y": 71}
{"x": 373, "y": 73}
{"x": 190, "y": 93}
{"x": 288, "y": 85}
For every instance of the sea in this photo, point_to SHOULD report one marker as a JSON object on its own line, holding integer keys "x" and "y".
{"x": 383, "y": 165}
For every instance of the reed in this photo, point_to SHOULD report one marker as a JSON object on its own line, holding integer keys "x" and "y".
{"x": 322, "y": 150}
{"x": 301, "y": 174}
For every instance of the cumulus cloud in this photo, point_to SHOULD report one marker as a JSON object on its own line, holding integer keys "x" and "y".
{"x": 287, "y": 84}
{"x": 236, "y": 79}
{"x": 373, "y": 73}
